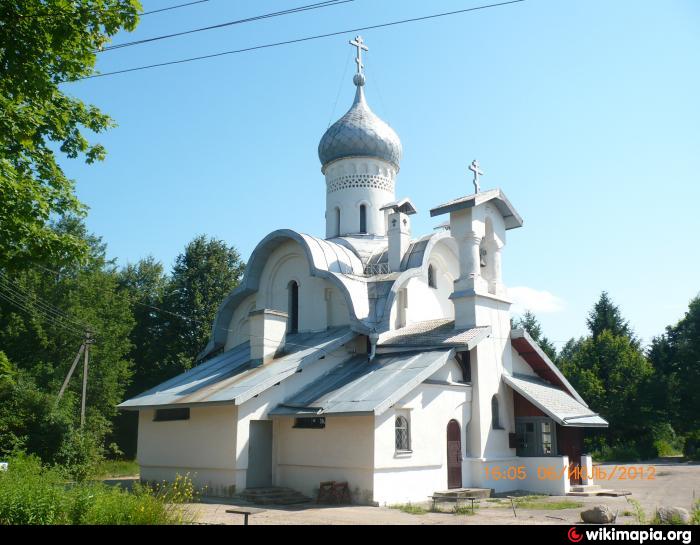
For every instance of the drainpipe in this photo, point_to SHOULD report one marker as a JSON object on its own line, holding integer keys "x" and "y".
{"x": 373, "y": 338}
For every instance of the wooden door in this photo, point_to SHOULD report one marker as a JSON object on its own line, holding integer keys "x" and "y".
{"x": 571, "y": 444}
{"x": 454, "y": 455}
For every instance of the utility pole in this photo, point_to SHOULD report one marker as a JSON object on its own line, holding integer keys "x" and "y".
{"x": 84, "y": 350}
{"x": 87, "y": 343}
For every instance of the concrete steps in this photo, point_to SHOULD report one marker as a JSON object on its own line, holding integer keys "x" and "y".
{"x": 275, "y": 495}
{"x": 595, "y": 490}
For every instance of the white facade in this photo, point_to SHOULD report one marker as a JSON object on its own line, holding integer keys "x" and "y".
{"x": 369, "y": 277}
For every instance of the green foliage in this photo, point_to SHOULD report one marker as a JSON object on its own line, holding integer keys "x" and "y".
{"x": 80, "y": 455}
{"x": 409, "y": 508}
{"x": 691, "y": 447}
{"x": 33, "y": 494}
{"x": 30, "y": 419}
{"x": 44, "y": 43}
{"x": 639, "y": 514}
{"x": 117, "y": 468}
{"x": 606, "y": 316}
{"x": 665, "y": 440}
{"x": 42, "y": 347}
{"x": 609, "y": 372}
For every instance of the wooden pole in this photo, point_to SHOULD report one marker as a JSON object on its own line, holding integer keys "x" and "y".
{"x": 85, "y": 375}
{"x": 70, "y": 373}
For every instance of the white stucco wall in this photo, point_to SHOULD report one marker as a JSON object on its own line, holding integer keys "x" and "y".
{"x": 204, "y": 446}
{"x": 342, "y": 451}
{"x": 354, "y": 181}
{"x": 321, "y": 304}
{"x": 403, "y": 477}
{"x": 543, "y": 475}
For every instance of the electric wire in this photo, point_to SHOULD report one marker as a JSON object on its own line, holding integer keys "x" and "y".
{"x": 294, "y": 41}
{"x": 58, "y": 11}
{"x": 318, "y": 5}
{"x": 33, "y": 299}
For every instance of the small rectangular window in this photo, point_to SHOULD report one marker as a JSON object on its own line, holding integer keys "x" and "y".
{"x": 167, "y": 415}
{"x": 316, "y": 423}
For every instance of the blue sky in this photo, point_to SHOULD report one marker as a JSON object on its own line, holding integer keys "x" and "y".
{"x": 585, "y": 112}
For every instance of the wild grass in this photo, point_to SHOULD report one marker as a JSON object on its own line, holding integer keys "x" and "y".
{"x": 410, "y": 508}
{"x": 33, "y": 494}
{"x": 117, "y": 468}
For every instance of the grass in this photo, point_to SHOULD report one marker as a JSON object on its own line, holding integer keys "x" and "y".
{"x": 465, "y": 509}
{"x": 537, "y": 501}
{"x": 33, "y": 494}
{"x": 409, "y": 508}
{"x": 549, "y": 505}
{"x": 117, "y": 468}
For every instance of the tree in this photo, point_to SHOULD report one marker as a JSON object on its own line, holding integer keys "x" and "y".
{"x": 607, "y": 315}
{"x": 675, "y": 356}
{"x": 531, "y": 324}
{"x": 609, "y": 372}
{"x": 202, "y": 277}
{"x": 42, "y": 343}
{"x": 44, "y": 43}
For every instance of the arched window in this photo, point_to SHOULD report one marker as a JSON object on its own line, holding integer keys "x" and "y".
{"x": 495, "y": 416}
{"x": 431, "y": 277}
{"x": 363, "y": 218}
{"x": 403, "y": 433}
{"x": 293, "y": 308}
{"x": 337, "y": 221}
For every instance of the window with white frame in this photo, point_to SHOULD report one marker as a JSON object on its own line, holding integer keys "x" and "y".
{"x": 402, "y": 431}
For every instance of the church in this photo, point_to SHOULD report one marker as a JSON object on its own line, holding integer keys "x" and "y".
{"x": 371, "y": 355}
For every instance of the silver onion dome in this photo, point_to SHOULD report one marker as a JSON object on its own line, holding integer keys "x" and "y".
{"x": 360, "y": 133}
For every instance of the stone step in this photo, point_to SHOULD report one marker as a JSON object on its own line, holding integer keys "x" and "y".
{"x": 585, "y": 487}
{"x": 273, "y": 496}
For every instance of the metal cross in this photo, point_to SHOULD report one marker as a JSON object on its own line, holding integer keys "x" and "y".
{"x": 360, "y": 45}
{"x": 474, "y": 167}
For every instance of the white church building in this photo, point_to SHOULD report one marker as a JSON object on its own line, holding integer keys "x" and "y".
{"x": 371, "y": 355}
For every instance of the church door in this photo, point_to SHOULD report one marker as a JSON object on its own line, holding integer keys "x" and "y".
{"x": 454, "y": 455}
{"x": 259, "y": 473}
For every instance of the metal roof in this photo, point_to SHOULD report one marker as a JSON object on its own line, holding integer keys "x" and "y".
{"x": 537, "y": 359}
{"x": 511, "y": 218}
{"x": 360, "y": 133}
{"x": 434, "y": 333}
{"x": 358, "y": 386}
{"x": 558, "y": 404}
{"x": 231, "y": 378}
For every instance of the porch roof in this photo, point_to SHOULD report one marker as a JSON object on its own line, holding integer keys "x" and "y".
{"x": 231, "y": 377}
{"x": 558, "y": 404}
{"x": 357, "y": 386}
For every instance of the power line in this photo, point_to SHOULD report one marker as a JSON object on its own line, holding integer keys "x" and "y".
{"x": 34, "y": 299}
{"x": 172, "y": 7}
{"x": 290, "y": 11}
{"x": 59, "y": 11}
{"x": 297, "y": 40}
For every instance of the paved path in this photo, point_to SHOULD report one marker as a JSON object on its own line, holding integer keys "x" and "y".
{"x": 673, "y": 485}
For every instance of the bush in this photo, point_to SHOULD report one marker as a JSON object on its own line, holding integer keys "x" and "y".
{"x": 33, "y": 494}
{"x": 691, "y": 448}
{"x": 79, "y": 455}
{"x": 665, "y": 440}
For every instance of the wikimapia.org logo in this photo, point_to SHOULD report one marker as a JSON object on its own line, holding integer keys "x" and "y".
{"x": 638, "y": 536}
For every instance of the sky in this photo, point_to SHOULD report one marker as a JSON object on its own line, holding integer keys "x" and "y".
{"x": 586, "y": 113}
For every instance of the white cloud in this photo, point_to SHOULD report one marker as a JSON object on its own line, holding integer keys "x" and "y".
{"x": 537, "y": 301}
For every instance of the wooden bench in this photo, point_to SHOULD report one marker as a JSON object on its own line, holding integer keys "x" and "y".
{"x": 333, "y": 492}
{"x": 455, "y": 499}
{"x": 245, "y": 511}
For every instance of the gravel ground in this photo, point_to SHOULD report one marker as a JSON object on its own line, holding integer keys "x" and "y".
{"x": 675, "y": 484}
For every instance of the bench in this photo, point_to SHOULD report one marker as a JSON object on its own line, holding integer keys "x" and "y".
{"x": 334, "y": 492}
{"x": 455, "y": 499}
{"x": 245, "y": 511}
